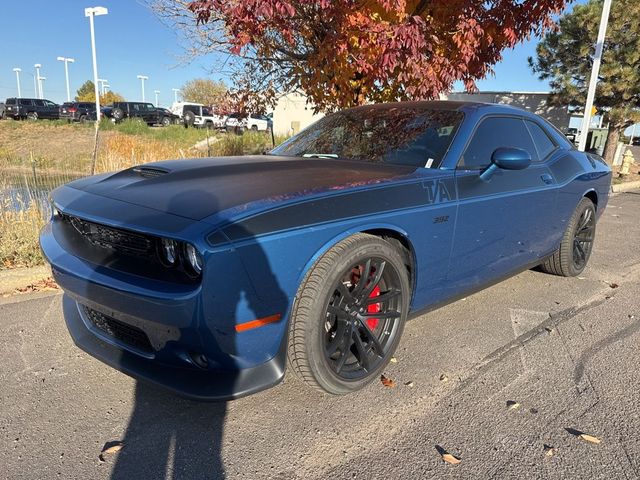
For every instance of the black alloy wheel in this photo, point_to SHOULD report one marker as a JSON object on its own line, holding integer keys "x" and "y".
{"x": 349, "y": 314}
{"x": 362, "y": 318}
{"x": 583, "y": 238}
{"x": 574, "y": 252}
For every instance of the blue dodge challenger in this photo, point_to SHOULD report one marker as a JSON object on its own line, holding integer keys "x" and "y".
{"x": 207, "y": 275}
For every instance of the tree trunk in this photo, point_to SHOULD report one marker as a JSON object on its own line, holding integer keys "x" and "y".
{"x": 612, "y": 143}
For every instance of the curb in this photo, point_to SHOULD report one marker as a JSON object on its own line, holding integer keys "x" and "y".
{"x": 625, "y": 187}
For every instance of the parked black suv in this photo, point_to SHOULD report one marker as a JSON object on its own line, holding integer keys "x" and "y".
{"x": 31, "y": 108}
{"x": 78, "y": 111}
{"x": 151, "y": 115}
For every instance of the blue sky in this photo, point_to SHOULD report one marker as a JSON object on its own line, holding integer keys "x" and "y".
{"x": 131, "y": 41}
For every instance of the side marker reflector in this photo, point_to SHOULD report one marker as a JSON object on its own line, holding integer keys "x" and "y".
{"x": 260, "y": 322}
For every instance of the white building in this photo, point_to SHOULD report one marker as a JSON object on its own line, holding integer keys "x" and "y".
{"x": 292, "y": 114}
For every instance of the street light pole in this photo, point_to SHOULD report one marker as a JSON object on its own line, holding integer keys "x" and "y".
{"x": 157, "y": 92}
{"x": 142, "y": 79}
{"x": 39, "y": 85}
{"x": 175, "y": 94}
{"x": 18, "y": 70}
{"x": 66, "y": 73}
{"x": 91, "y": 13}
{"x": 102, "y": 82}
{"x": 595, "y": 70}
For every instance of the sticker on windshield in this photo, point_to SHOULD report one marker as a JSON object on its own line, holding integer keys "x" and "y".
{"x": 429, "y": 163}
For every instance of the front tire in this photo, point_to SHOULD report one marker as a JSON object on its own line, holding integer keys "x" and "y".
{"x": 340, "y": 337}
{"x": 577, "y": 243}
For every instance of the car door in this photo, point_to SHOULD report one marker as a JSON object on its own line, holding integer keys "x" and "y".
{"x": 503, "y": 224}
{"x": 38, "y": 107}
{"x": 52, "y": 110}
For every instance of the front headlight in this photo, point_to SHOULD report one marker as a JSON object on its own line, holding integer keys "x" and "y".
{"x": 194, "y": 259}
{"x": 168, "y": 251}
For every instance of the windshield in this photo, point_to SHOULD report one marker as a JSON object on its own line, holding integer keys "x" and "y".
{"x": 399, "y": 135}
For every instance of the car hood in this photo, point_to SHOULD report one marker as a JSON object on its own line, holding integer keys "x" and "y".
{"x": 199, "y": 188}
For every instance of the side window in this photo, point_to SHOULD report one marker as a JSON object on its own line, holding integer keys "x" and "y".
{"x": 39, "y": 103}
{"x": 493, "y": 133}
{"x": 49, "y": 103}
{"x": 26, "y": 103}
{"x": 543, "y": 143}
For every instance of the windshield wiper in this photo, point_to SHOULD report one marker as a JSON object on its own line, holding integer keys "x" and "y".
{"x": 319, "y": 155}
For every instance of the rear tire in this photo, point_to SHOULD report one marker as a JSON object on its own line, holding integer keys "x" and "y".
{"x": 577, "y": 243}
{"x": 189, "y": 118}
{"x": 32, "y": 116}
{"x": 337, "y": 344}
{"x": 117, "y": 114}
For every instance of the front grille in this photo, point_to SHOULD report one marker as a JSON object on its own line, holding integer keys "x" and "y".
{"x": 123, "y": 241}
{"x": 121, "y": 331}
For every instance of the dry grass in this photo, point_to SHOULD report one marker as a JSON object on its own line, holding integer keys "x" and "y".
{"x": 37, "y": 157}
{"x": 19, "y": 232}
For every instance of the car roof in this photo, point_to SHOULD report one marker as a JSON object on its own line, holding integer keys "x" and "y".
{"x": 447, "y": 105}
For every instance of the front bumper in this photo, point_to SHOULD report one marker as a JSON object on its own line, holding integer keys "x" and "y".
{"x": 178, "y": 321}
{"x": 187, "y": 382}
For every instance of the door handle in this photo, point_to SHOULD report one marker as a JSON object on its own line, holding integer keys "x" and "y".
{"x": 546, "y": 178}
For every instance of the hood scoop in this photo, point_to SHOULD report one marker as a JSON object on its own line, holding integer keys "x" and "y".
{"x": 150, "y": 172}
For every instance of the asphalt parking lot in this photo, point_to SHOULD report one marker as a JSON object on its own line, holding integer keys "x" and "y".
{"x": 562, "y": 353}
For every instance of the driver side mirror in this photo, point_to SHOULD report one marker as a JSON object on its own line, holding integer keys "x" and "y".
{"x": 506, "y": 158}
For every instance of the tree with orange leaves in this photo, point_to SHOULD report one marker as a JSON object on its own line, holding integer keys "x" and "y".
{"x": 347, "y": 52}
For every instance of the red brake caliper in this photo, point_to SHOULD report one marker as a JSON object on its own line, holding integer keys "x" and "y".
{"x": 374, "y": 308}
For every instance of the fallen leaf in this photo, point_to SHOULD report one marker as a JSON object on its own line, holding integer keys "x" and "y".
{"x": 393, "y": 360}
{"x": 512, "y": 405}
{"x": 109, "y": 449}
{"x": 589, "y": 438}
{"x": 46, "y": 284}
{"x": 447, "y": 457}
{"x": 444, "y": 378}
{"x": 549, "y": 450}
{"x": 387, "y": 382}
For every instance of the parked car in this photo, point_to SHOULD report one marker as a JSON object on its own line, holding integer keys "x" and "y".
{"x": 31, "y": 108}
{"x": 196, "y": 114}
{"x": 1, "y": 110}
{"x": 78, "y": 111}
{"x": 238, "y": 123}
{"x": 174, "y": 119}
{"x": 572, "y": 134}
{"x": 204, "y": 275}
{"x": 145, "y": 112}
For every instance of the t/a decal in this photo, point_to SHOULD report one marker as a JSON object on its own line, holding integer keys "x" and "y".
{"x": 437, "y": 191}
